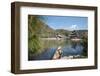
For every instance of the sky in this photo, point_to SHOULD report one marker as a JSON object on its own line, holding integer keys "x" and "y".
{"x": 66, "y": 22}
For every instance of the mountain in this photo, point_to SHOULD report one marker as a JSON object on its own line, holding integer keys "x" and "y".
{"x": 38, "y": 27}
{"x": 63, "y": 32}
{"x": 46, "y": 31}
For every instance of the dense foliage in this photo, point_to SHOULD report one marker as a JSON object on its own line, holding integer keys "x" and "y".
{"x": 34, "y": 44}
{"x": 85, "y": 44}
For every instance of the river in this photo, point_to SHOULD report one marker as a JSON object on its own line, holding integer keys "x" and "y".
{"x": 69, "y": 48}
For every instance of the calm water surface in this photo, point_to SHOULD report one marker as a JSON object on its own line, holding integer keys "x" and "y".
{"x": 68, "y": 48}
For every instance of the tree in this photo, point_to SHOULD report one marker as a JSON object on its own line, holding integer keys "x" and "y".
{"x": 85, "y": 44}
{"x": 34, "y": 44}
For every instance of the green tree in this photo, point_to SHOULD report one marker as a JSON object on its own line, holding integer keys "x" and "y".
{"x": 34, "y": 44}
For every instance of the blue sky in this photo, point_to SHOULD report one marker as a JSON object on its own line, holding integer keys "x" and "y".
{"x": 66, "y": 22}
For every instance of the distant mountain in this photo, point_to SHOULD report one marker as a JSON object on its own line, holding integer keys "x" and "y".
{"x": 62, "y": 31}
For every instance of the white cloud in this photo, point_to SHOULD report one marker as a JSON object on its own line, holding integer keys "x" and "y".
{"x": 73, "y": 27}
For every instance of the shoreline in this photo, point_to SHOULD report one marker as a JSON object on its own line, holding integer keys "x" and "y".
{"x": 73, "y": 39}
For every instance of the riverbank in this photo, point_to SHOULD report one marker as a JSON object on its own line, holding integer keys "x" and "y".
{"x": 73, "y": 39}
{"x": 76, "y": 39}
{"x": 48, "y": 38}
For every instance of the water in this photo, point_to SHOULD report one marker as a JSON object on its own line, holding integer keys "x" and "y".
{"x": 68, "y": 48}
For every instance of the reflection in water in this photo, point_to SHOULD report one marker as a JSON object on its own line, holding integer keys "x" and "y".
{"x": 49, "y": 46}
{"x": 73, "y": 49}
